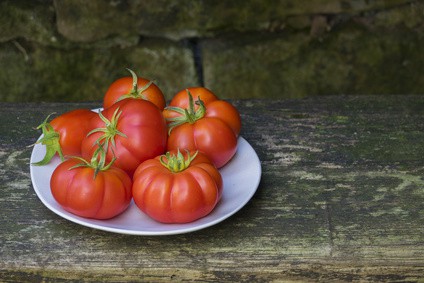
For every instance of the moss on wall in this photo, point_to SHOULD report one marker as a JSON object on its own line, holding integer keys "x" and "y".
{"x": 72, "y": 50}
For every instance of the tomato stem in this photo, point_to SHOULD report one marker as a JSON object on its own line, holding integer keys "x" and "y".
{"x": 51, "y": 140}
{"x": 135, "y": 92}
{"x": 176, "y": 163}
{"x": 188, "y": 115}
{"x": 97, "y": 162}
{"x": 110, "y": 130}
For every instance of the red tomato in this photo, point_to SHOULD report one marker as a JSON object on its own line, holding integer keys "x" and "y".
{"x": 133, "y": 130}
{"x": 64, "y": 134}
{"x": 133, "y": 87}
{"x": 210, "y": 125}
{"x": 82, "y": 192}
{"x": 177, "y": 187}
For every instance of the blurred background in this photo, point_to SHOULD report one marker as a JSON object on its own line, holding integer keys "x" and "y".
{"x": 72, "y": 50}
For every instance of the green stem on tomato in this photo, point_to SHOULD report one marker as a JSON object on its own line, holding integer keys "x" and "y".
{"x": 188, "y": 115}
{"x": 176, "y": 163}
{"x": 97, "y": 161}
{"x": 135, "y": 91}
{"x": 110, "y": 130}
{"x": 51, "y": 140}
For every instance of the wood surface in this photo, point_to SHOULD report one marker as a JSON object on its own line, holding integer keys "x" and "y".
{"x": 341, "y": 199}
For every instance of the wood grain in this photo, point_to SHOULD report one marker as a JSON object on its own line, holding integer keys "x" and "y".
{"x": 341, "y": 199}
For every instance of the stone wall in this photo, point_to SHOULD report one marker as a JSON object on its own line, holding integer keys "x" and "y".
{"x": 71, "y": 50}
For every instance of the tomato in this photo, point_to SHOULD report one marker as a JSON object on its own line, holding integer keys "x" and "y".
{"x": 91, "y": 190}
{"x": 177, "y": 187}
{"x": 210, "y": 125}
{"x": 64, "y": 134}
{"x": 133, "y": 87}
{"x": 133, "y": 130}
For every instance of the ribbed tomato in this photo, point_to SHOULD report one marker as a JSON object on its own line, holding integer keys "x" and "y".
{"x": 178, "y": 187}
{"x": 91, "y": 190}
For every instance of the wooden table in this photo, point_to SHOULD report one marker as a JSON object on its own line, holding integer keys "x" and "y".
{"x": 341, "y": 199}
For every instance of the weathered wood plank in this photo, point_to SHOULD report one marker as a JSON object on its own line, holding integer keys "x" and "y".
{"x": 341, "y": 199}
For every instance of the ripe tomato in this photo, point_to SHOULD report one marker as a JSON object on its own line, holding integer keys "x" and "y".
{"x": 91, "y": 190}
{"x": 64, "y": 134}
{"x": 177, "y": 187}
{"x": 133, "y": 130}
{"x": 210, "y": 125}
{"x": 133, "y": 87}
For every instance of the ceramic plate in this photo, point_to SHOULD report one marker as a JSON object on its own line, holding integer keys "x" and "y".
{"x": 241, "y": 178}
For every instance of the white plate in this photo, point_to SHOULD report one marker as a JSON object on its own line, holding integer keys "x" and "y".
{"x": 241, "y": 179}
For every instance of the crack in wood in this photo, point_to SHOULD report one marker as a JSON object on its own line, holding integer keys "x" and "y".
{"x": 329, "y": 226}
{"x": 329, "y": 220}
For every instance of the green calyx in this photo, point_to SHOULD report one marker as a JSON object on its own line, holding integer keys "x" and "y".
{"x": 189, "y": 115}
{"x": 110, "y": 130}
{"x": 176, "y": 163}
{"x": 97, "y": 162}
{"x": 51, "y": 140}
{"x": 135, "y": 92}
